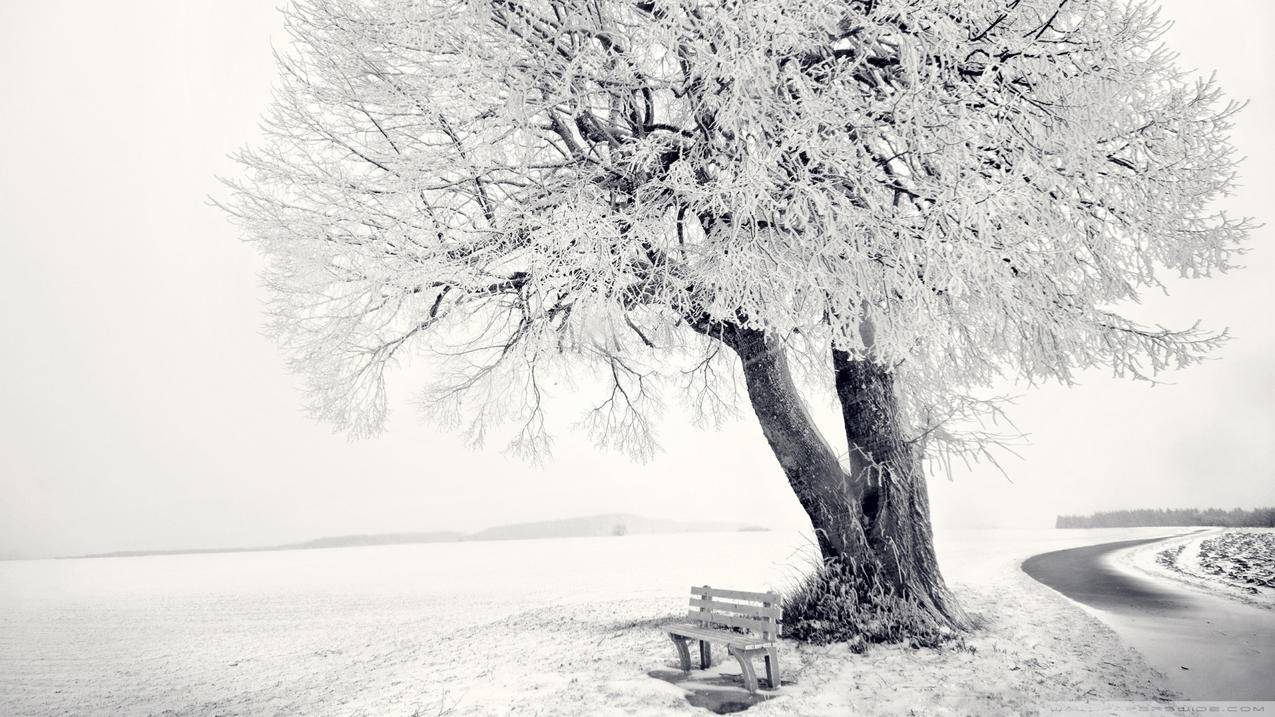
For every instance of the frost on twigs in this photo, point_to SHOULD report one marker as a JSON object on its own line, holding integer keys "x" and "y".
{"x": 536, "y": 188}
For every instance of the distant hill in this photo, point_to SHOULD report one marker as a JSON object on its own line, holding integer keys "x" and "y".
{"x": 336, "y": 541}
{"x": 352, "y": 541}
{"x": 599, "y": 525}
{"x": 590, "y": 526}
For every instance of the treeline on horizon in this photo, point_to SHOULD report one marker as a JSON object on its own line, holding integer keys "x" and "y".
{"x": 1146, "y": 518}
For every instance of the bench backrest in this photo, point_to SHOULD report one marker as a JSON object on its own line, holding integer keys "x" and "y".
{"x": 758, "y": 613}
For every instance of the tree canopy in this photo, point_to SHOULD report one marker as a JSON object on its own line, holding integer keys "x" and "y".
{"x": 962, "y": 191}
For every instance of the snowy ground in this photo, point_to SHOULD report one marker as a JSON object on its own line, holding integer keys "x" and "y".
{"x": 1235, "y": 562}
{"x": 554, "y": 627}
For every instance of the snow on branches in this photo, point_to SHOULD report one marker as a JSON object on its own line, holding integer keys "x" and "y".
{"x": 522, "y": 186}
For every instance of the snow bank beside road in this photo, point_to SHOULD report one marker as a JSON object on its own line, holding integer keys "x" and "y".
{"x": 1235, "y": 562}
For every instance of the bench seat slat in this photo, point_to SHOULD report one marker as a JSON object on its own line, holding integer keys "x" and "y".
{"x": 706, "y": 591}
{"x": 724, "y": 637}
{"x": 742, "y": 609}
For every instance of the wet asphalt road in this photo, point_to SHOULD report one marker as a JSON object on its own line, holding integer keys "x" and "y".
{"x": 1209, "y": 647}
{"x": 1082, "y": 575}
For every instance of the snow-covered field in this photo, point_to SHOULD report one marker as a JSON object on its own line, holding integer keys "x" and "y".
{"x": 523, "y": 627}
{"x": 1236, "y": 562}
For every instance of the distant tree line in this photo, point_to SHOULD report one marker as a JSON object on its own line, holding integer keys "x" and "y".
{"x": 1234, "y": 518}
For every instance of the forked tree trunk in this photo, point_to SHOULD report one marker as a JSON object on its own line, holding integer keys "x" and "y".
{"x": 873, "y": 521}
{"x": 894, "y": 504}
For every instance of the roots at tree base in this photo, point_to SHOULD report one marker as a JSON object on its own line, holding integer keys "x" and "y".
{"x": 839, "y": 604}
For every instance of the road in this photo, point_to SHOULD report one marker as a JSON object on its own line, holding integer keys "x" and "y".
{"x": 1209, "y": 647}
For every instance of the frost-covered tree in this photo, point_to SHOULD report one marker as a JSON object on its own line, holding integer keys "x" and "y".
{"x": 896, "y": 202}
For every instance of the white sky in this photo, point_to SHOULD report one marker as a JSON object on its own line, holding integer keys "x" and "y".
{"x": 141, "y": 406}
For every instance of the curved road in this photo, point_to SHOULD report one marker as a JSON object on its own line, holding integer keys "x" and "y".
{"x": 1209, "y": 647}
{"x": 1084, "y": 575}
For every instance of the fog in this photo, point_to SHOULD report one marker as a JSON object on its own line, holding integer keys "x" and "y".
{"x": 141, "y": 406}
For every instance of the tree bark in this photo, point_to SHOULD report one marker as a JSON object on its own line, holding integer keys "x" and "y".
{"x": 874, "y": 520}
{"x": 812, "y": 468}
{"x": 888, "y": 478}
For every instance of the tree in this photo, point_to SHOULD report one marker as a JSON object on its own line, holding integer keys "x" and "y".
{"x": 896, "y": 201}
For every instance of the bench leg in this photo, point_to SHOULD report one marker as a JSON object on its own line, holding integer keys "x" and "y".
{"x": 745, "y": 664}
{"x": 705, "y": 655}
{"x": 683, "y": 654}
{"x": 772, "y": 667}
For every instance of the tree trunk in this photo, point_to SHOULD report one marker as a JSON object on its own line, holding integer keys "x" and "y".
{"x": 873, "y": 522}
{"x": 888, "y": 478}
{"x": 821, "y": 484}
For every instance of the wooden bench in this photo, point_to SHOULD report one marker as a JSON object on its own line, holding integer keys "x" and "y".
{"x": 746, "y": 623}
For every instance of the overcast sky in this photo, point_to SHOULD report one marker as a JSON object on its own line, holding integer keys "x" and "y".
{"x": 142, "y": 407}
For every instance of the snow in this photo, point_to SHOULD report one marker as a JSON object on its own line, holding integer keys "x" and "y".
{"x": 1219, "y": 643}
{"x": 1203, "y": 561}
{"x": 522, "y": 627}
